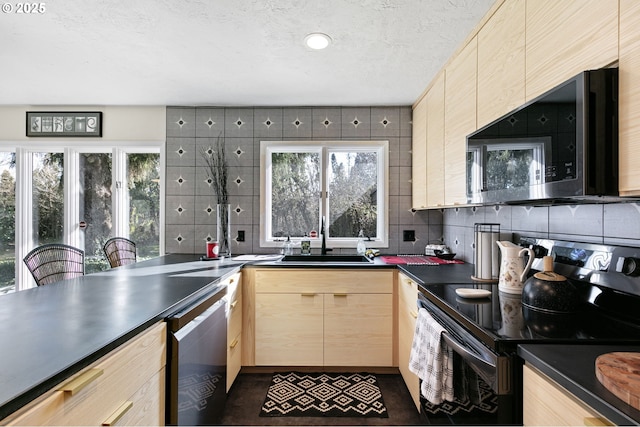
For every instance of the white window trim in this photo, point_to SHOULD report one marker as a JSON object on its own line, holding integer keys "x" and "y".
{"x": 72, "y": 149}
{"x": 381, "y": 146}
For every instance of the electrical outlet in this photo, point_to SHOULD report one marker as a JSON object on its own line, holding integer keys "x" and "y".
{"x": 408, "y": 235}
{"x": 240, "y": 237}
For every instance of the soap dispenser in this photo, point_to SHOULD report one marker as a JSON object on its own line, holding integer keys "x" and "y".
{"x": 305, "y": 245}
{"x": 361, "y": 248}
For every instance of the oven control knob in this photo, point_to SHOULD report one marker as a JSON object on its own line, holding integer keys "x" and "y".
{"x": 631, "y": 266}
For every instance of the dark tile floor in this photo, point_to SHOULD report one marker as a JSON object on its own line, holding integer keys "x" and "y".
{"x": 249, "y": 390}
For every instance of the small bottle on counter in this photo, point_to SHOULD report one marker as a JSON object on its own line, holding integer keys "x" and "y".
{"x": 305, "y": 245}
{"x": 288, "y": 247}
{"x": 361, "y": 247}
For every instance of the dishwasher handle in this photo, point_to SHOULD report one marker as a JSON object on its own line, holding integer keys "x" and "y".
{"x": 181, "y": 318}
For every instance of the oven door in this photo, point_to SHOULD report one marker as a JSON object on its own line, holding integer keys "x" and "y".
{"x": 483, "y": 380}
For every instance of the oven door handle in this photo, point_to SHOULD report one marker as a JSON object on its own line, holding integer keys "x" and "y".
{"x": 470, "y": 357}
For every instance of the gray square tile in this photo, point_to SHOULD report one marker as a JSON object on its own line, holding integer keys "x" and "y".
{"x": 181, "y": 151}
{"x": 181, "y": 122}
{"x": 241, "y": 181}
{"x": 394, "y": 181}
{"x": 179, "y": 210}
{"x": 406, "y": 121}
{"x": 327, "y": 123}
{"x": 267, "y": 122}
{"x": 394, "y": 151}
{"x": 203, "y": 184}
{"x": 404, "y": 180}
{"x": 576, "y": 220}
{"x": 238, "y": 123}
{"x": 240, "y": 152}
{"x": 385, "y": 122}
{"x": 297, "y": 123}
{"x": 622, "y": 220}
{"x": 242, "y": 210}
{"x": 356, "y": 122}
{"x": 205, "y": 211}
{"x": 528, "y": 219}
{"x": 180, "y": 181}
{"x": 179, "y": 239}
{"x": 405, "y": 154}
{"x": 210, "y": 122}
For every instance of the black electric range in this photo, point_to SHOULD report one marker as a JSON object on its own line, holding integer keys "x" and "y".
{"x": 608, "y": 290}
{"x": 487, "y": 330}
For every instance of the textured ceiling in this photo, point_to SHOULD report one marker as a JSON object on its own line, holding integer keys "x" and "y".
{"x": 228, "y": 52}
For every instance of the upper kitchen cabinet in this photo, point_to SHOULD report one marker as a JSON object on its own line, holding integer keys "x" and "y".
{"x": 564, "y": 38}
{"x": 629, "y": 98}
{"x": 435, "y": 143}
{"x": 419, "y": 155}
{"x": 501, "y": 62}
{"x": 460, "y": 120}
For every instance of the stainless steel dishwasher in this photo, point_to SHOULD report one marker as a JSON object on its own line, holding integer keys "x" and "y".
{"x": 197, "y": 362}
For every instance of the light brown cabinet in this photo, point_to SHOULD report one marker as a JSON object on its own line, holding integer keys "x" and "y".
{"x": 125, "y": 387}
{"x": 629, "y": 98}
{"x": 407, "y": 315}
{"x": 419, "y": 155}
{"x": 460, "y": 120}
{"x": 323, "y": 317}
{"x": 234, "y": 327}
{"x": 435, "y": 144}
{"x": 564, "y": 38}
{"x": 546, "y": 403}
{"x": 501, "y": 55}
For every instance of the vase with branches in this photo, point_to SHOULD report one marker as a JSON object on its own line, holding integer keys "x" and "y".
{"x": 217, "y": 173}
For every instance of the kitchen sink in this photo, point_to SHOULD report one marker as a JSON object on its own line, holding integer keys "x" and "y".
{"x": 330, "y": 259}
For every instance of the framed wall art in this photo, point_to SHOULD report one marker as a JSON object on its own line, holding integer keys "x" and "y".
{"x": 64, "y": 123}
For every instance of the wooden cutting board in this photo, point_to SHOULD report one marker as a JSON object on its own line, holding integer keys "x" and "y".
{"x": 619, "y": 372}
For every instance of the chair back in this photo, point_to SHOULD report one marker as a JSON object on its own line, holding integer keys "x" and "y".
{"x": 53, "y": 262}
{"x": 120, "y": 251}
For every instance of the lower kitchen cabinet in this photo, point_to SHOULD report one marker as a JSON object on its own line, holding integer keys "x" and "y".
{"x": 546, "y": 403}
{"x": 234, "y": 327}
{"x": 125, "y": 387}
{"x": 407, "y": 315}
{"x": 323, "y": 317}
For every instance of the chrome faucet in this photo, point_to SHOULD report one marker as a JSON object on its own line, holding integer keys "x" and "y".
{"x": 324, "y": 249}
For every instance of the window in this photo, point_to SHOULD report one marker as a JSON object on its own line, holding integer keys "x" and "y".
{"x": 343, "y": 181}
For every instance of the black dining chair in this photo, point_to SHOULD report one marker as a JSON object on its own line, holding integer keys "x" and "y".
{"x": 53, "y": 262}
{"x": 120, "y": 251}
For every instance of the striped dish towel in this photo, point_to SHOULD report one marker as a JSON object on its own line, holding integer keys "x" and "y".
{"x": 431, "y": 360}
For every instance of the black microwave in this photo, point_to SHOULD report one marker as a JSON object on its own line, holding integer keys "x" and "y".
{"x": 561, "y": 146}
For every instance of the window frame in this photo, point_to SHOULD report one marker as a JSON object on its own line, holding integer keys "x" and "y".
{"x": 325, "y": 147}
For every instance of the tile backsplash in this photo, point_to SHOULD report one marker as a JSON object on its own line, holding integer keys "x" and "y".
{"x": 190, "y": 206}
{"x": 613, "y": 223}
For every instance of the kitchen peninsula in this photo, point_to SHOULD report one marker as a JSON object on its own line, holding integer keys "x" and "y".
{"x": 54, "y": 331}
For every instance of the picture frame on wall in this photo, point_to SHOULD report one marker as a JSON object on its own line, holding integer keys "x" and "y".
{"x": 64, "y": 124}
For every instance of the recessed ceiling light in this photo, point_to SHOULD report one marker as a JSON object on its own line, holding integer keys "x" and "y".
{"x": 317, "y": 41}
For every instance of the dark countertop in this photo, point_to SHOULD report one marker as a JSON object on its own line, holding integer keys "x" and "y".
{"x": 53, "y": 331}
{"x": 439, "y": 274}
{"x": 573, "y": 367}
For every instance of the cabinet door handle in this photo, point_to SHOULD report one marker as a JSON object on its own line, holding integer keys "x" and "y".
{"x": 340, "y": 295}
{"x": 231, "y": 280}
{"x": 408, "y": 282}
{"x": 81, "y": 381}
{"x": 308, "y": 295}
{"x": 414, "y": 314}
{"x": 234, "y": 343}
{"x": 233, "y": 304}
{"x": 118, "y": 414}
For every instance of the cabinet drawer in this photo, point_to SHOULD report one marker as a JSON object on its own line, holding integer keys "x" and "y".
{"x": 234, "y": 359}
{"x": 103, "y": 387}
{"x": 324, "y": 281}
{"x": 407, "y": 292}
{"x": 146, "y": 405}
{"x": 234, "y": 317}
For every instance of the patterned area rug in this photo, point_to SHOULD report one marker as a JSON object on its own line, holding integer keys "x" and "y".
{"x": 324, "y": 395}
